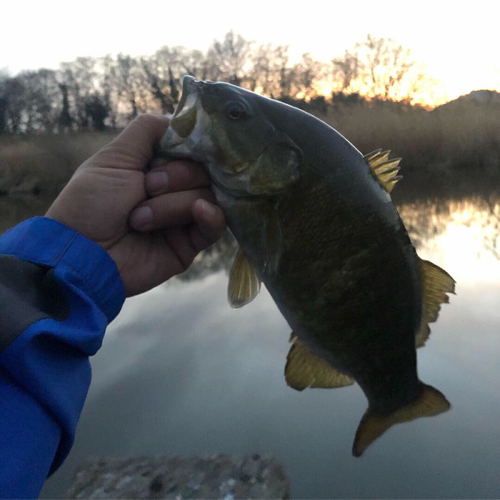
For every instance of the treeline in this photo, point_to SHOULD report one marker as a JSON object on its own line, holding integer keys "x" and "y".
{"x": 106, "y": 92}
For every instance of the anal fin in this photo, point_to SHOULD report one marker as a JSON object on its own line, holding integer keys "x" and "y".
{"x": 304, "y": 369}
{"x": 430, "y": 403}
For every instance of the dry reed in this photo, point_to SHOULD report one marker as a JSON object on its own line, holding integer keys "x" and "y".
{"x": 44, "y": 163}
{"x": 456, "y": 146}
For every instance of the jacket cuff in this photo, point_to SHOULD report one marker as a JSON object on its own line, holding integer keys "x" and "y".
{"x": 50, "y": 243}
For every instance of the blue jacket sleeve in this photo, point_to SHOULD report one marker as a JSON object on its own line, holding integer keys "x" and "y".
{"x": 58, "y": 293}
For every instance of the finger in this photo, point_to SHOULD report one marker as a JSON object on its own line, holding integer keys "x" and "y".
{"x": 133, "y": 148}
{"x": 175, "y": 176}
{"x": 187, "y": 242}
{"x": 167, "y": 209}
{"x": 157, "y": 163}
{"x": 210, "y": 224}
{"x": 180, "y": 242}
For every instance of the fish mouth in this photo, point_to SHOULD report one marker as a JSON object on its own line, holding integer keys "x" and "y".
{"x": 178, "y": 141}
{"x": 188, "y": 134}
{"x": 185, "y": 116}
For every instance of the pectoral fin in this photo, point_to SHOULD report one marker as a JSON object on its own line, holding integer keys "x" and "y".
{"x": 436, "y": 283}
{"x": 244, "y": 284}
{"x": 383, "y": 169}
{"x": 304, "y": 369}
{"x": 430, "y": 403}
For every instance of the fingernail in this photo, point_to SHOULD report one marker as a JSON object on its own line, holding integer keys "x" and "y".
{"x": 141, "y": 217}
{"x": 208, "y": 208}
{"x": 156, "y": 182}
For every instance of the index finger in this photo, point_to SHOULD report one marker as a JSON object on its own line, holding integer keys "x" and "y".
{"x": 168, "y": 177}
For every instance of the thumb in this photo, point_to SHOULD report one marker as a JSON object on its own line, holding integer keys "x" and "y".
{"x": 133, "y": 148}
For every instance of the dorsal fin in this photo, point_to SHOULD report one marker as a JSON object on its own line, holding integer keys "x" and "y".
{"x": 244, "y": 284}
{"x": 436, "y": 283}
{"x": 383, "y": 169}
{"x": 304, "y": 369}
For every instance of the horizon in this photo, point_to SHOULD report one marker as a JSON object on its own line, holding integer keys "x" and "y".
{"x": 469, "y": 64}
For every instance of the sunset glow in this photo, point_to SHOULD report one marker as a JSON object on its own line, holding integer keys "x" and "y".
{"x": 457, "y": 45}
{"x": 471, "y": 234}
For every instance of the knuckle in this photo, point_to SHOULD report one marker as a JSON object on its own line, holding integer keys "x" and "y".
{"x": 150, "y": 123}
{"x": 145, "y": 122}
{"x": 144, "y": 119}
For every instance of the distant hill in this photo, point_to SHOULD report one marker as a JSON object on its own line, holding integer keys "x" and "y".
{"x": 476, "y": 98}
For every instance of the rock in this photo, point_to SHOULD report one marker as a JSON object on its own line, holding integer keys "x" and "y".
{"x": 220, "y": 476}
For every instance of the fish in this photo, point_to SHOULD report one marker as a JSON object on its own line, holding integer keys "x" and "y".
{"x": 314, "y": 221}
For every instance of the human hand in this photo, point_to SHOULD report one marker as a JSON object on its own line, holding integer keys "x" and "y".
{"x": 152, "y": 224}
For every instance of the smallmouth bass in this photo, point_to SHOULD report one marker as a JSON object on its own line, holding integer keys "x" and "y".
{"x": 314, "y": 221}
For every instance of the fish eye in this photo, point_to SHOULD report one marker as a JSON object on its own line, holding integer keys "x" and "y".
{"x": 235, "y": 110}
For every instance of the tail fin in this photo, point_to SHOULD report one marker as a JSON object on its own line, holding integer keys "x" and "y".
{"x": 431, "y": 402}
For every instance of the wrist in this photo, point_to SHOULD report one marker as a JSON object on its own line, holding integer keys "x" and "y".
{"x": 75, "y": 258}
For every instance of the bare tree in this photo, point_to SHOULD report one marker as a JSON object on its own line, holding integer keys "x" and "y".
{"x": 194, "y": 63}
{"x": 166, "y": 69}
{"x": 65, "y": 120}
{"x": 81, "y": 80}
{"x": 270, "y": 73}
{"x": 157, "y": 85}
{"x": 107, "y": 71}
{"x": 4, "y": 76}
{"x": 346, "y": 71}
{"x": 286, "y": 74}
{"x": 97, "y": 111}
{"x": 262, "y": 76}
{"x": 41, "y": 103}
{"x": 97, "y": 92}
{"x": 132, "y": 84}
{"x": 230, "y": 57}
{"x": 306, "y": 74}
{"x": 388, "y": 70}
{"x": 14, "y": 93}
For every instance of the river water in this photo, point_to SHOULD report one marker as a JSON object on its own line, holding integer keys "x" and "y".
{"x": 182, "y": 373}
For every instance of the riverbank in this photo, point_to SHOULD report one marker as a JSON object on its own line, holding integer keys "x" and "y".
{"x": 453, "y": 147}
{"x": 218, "y": 476}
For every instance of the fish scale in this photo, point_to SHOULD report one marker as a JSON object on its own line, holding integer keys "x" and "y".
{"x": 315, "y": 222}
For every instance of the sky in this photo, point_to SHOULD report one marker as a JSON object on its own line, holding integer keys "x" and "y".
{"x": 456, "y": 41}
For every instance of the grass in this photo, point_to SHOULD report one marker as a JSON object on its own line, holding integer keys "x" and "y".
{"x": 451, "y": 148}
{"x": 44, "y": 163}
{"x": 456, "y": 147}
{"x": 453, "y": 151}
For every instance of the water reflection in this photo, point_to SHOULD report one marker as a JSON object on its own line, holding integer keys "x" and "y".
{"x": 462, "y": 234}
{"x": 181, "y": 372}
{"x": 455, "y": 231}
{"x": 471, "y": 223}
{"x": 216, "y": 258}
{"x": 478, "y": 217}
